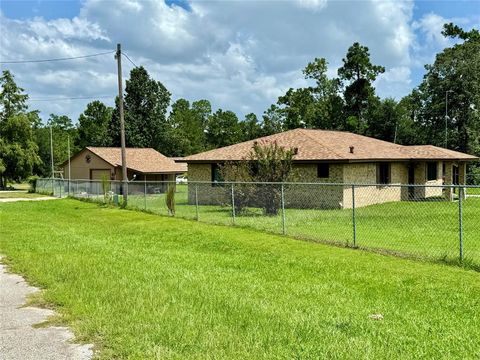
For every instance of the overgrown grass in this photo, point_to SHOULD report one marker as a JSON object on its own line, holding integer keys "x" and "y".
{"x": 418, "y": 228}
{"x": 142, "y": 287}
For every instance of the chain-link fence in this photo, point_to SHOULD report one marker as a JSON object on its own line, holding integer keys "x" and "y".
{"x": 436, "y": 222}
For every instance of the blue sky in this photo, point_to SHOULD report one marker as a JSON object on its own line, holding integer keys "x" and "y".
{"x": 241, "y": 55}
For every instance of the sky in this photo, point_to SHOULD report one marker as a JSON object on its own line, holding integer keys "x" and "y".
{"x": 240, "y": 55}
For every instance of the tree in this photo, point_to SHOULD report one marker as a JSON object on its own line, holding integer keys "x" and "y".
{"x": 185, "y": 132}
{"x": 272, "y": 121}
{"x": 145, "y": 107}
{"x": 18, "y": 150}
{"x": 222, "y": 129}
{"x": 267, "y": 163}
{"x": 454, "y": 74}
{"x": 93, "y": 125}
{"x": 12, "y": 99}
{"x": 250, "y": 128}
{"x": 359, "y": 73}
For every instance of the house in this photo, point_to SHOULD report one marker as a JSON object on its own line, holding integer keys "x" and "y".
{"x": 95, "y": 163}
{"x": 342, "y": 158}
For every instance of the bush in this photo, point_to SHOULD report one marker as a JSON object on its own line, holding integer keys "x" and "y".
{"x": 32, "y": 181}
{"x": 266, "y": 163}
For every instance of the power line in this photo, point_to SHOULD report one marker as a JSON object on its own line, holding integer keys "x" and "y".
{"x": 56, "y": 59}
{"x": 74, "y": 98}
{"x": 129, "y": 59}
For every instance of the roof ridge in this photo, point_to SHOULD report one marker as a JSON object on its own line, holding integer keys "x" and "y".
{"x": 321, "y": 144}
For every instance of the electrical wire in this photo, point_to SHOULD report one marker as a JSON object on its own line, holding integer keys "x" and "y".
{"x": 129, "y": 59}
{"x": 56, "y": 59}
{"x": 75, "y": 98}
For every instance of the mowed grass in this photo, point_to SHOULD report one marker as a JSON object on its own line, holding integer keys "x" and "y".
{"x": 142, "y": 286}
{"x": 419, "y": 228}
{"x": 18, "y": 195}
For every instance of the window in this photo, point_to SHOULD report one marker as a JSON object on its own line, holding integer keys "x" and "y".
{"x": 323, "y": 170}
{"x": 432, "y": 171}
{"x": 383, "y": 173}
{"x": 216, "y": 176}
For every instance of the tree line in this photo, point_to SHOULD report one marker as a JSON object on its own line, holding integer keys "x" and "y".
{"x": 347, "y": 102}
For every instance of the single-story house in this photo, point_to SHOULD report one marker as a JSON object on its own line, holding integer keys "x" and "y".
{"x": 145, "y": 164}
{"x": 341, "y": 158}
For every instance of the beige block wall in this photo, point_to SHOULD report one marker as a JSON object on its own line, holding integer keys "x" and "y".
{"x": 207, "y": 194}
{"x": 366, "y": 173}
{"x": 421, "y": 178}
{"x": 315, "y": 196}
{"x": 303, "y": 196}
{"x": 81, "y": 169}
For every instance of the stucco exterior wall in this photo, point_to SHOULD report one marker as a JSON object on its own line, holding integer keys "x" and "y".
{"x": 81, "y": 168}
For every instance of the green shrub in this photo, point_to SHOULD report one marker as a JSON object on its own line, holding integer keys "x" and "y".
{"x": 32, "y": 181}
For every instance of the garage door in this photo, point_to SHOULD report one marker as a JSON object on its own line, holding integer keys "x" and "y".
{"x": 98, "y": 174}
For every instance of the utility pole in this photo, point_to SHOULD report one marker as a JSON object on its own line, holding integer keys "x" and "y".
{"x": 69, "y": 168}
{"x": 118, "y": 56}
{"x": 51, "y": 151}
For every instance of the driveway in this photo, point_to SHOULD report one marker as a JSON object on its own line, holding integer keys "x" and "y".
{"x": 19, "y": 340}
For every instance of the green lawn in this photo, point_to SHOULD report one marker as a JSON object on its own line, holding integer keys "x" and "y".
{"x": 18, "y": 194}
{"x": 418, "y": 228}
{"x": 142, "y": 287}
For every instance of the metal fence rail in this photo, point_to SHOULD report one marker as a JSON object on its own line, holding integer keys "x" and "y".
{"x": 433, "y": 221}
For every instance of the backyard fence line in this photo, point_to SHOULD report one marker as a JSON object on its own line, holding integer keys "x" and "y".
{"x": 428, "y": 221}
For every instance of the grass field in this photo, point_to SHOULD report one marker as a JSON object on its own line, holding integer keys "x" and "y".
{"x": 418, "y": 228}
{"x": 18, "y": 194}
{"x": 143, "y": 287}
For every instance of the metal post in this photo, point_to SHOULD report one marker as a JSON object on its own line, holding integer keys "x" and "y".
{"x": 284, "y": 229}
{"x": 460, "y": 220}
{"x": 77, "y": 187}
{"x": 233, "y": 206}
{"x": 145, "y": 192}
{"x": 61, "y": 185}
{"x": 69, "y": 167}
{"x": 196, "y": 199}
{"x": 51, "y": 160}
{"x": 354, "y": 220}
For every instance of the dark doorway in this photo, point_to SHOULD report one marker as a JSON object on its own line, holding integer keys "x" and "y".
{"x": 455, "y": 175}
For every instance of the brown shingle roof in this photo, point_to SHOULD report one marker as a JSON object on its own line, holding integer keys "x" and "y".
{"x": 331, "y": 146}
{"x": 144, "y": 160}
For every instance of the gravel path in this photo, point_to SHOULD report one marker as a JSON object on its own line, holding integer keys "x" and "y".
{"x": 19, "y": 340}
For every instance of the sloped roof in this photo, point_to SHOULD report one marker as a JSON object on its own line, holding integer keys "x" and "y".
{"x": 331, "y": 146}
{"x": 144, "y": 160}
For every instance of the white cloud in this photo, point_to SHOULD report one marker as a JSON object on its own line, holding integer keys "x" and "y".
{"x": 241, "y": 55}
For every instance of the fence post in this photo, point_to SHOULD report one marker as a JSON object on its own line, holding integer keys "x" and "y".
{"x": 76, "y": 187}
{"x": 284, "y": 230}
{"x": 61, "y": 185}
{"x": 233, "y": 207}
{"x": 196, "y": 199}
{"x": 460, "y": 221}
{"x": 354, "y": 220}
{"x": 145, "y": 193}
